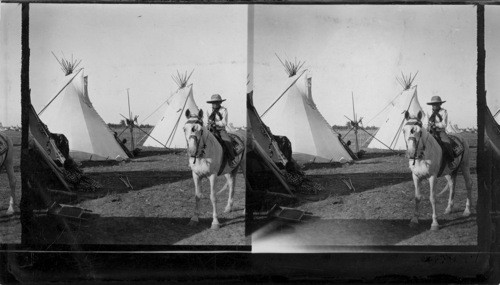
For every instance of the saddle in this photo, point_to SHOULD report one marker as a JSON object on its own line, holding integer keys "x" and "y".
{"x": 3, "y": 144}
{"x": 238, "y": 145}
{"x": 458, "y": 150}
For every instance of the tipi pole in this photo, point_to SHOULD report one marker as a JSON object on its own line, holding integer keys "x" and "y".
{"x": 396, "y": 137}
{"x": 171, "y": 136}
{"x": 378, "y": 140}
{"x": 124, "y": 128}
{"x": 355, "y": 124}
{"x": 148, "y": 135}
{"x": 131, "y": 123}
{"x": 263, "y": 114}
{"x": 50, "y": 102}
{"x": 154, "y": 111}
{"x": 496, "y": 114}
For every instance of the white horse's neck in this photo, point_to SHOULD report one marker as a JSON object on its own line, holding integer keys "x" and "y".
{"x": 430, "y": 163}
{"x": 213, "y": 147}
{"x": 208, "y": 155}
{"x": 432, "y": 147}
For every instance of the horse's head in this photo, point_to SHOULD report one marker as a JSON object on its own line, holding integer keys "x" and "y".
{"x": 193, "y": 131}
{"x": 412, "y": 131}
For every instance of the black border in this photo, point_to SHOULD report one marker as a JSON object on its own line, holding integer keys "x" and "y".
{"x": 207, "y": 263}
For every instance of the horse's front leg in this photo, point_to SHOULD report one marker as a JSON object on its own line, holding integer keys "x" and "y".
{"x": 451, "y": 179}
{"x": 197, "y": 198}
{"x": 213, "y": 198}
{"x": 418, "y": 198}
{"x": 432, "y": 198}
{"x": 231, "y": 177}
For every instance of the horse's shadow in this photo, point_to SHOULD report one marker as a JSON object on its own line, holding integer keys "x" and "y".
{"x": 458, "y": 221}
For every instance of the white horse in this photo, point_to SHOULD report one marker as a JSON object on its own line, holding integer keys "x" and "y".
{"x": 7, "y": 161}
{"x": 425, "y": 156}
{"x": 206, "y": 159}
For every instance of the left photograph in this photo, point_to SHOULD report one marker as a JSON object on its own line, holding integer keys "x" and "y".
{"x": 136, "y": 134}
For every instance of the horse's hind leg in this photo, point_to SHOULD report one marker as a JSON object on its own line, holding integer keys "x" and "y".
{"x": 451, "y": 179}
{"x": 231, "y": 180}
{"x": 468, "y": 185}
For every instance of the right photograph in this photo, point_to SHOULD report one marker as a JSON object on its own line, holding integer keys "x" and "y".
{"x": 362, "y": 127}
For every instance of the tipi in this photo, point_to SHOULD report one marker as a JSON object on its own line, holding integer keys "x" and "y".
{"x": 299, "y": 119}
{"x": 168, "y": 130}
{"x": 389, "y": 135}
{"x": 452, "y": 128}
{"x": 71, "y": 113}
{"x": 263, "y": 157}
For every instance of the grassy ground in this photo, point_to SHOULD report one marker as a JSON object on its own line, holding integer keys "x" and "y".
{"x": 377, "y": 212}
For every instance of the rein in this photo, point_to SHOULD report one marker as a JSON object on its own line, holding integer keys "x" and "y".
{"x": 415, "y": 156}
{"x": 198, "y": 153}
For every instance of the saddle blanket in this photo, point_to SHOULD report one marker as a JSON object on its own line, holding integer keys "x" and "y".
{"x": 3, "y": 144}
{"x": 457, "y": 146}
{"x": 238, "y": 143}
{"x": 237, "y": 139}
{"x": 458, "y": 149}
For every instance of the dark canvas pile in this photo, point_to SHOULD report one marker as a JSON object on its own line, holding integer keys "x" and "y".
{"x": 492, "y": 168}
{"x": 42, "y": 175}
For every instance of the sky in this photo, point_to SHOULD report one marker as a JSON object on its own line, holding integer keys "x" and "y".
{"x": 361, "y": 49}
{"x": 10, "y": 64}
{"x": 492, "y": 46}
{"x": 137, "y": 47}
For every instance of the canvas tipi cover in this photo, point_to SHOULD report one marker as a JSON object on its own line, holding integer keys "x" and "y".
{"x": 168, "y": 130}
{"x": 299, "y": 119}
{"x": 452, "y": 129}
{"x": 262, "y": 134}
{"x": 390, "y": 134}
{"x": 263, "y": 154}
{"x": 71, "y": 113}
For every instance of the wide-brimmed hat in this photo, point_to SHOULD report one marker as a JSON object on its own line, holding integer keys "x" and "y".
{"x": 435, "y": 100}
{"x": 216, "y": 98}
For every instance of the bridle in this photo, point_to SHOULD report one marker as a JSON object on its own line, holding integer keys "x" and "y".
{"x": 415, "y": 155}
{"x": 198, "y": 152}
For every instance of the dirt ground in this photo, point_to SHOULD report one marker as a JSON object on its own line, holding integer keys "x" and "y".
{"x": 10, "y": 226}
{"x": 155, "y": 212}
{"x": 161, "y": 204}
{"x": 377, "y": 213}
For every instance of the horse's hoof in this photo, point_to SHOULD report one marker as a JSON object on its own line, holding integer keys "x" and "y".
{"x": 447, "y": 211}
{"x": 215, "y": 226}
{"x": 227, "y": 210}
{"x": 466, "y": 213}
{"x": 434, "y": 227}
{"x": 10, "y": 212}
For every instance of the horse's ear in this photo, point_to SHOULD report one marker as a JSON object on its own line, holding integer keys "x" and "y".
{"x": 200, "y": 114}
{"x": 188, "y": 113}
{"x": 420, "y": 115}
{"x": 407, "y": 115}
